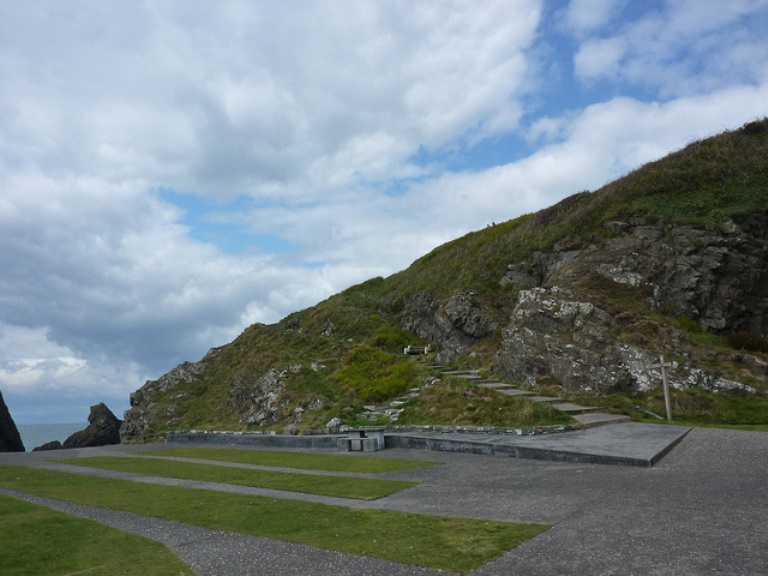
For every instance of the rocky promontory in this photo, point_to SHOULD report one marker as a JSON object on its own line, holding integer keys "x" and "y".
{"x": 103, "y": 429}
{"x": 10, "y": 439}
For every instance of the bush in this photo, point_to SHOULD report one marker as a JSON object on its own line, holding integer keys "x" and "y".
{"x": 393, "y": 338}
{"x": 377, "y": 375}
{"x": 748, "y": 341}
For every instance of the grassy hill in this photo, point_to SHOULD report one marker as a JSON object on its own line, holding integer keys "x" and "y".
{"x": 333, "y": 358}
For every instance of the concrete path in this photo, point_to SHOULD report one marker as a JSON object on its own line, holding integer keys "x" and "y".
{"x": 700, "y": 510}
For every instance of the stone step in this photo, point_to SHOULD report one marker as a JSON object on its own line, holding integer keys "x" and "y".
{"x": 514, "y": 392}
{"x": 546, "y": 399}
{"x": 495, "y": 385}
{"x": 461, "y": 373}
{"x": 572, "y": 409}
{"x": 600, "y": 418}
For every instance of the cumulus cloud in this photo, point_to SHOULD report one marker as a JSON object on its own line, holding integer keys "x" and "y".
{"x": 322, "y": 138}
{"x": 681, "y": 48}
{"x": 582, "y": 17}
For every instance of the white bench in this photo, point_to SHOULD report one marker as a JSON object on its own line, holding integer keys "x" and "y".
{"x": 416, "y": 350}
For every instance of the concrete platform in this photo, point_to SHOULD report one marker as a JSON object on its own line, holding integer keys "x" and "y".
{"x": 627, "y": 444}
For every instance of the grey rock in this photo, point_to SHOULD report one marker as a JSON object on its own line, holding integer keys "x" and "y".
{"x": 10, "y": 439}
{"x": 53, "y": 445}
{"x": 452, "y": 326}
{"x": 103, "y": 429}
{"x": 552, "y": 335}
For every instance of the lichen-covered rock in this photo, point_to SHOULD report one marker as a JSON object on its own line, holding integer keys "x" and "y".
{"x": 103, "y": 429}
{"x": 257, "y": 401}
{"x": 552, "y": 335}
{"x": 141, "y": 414}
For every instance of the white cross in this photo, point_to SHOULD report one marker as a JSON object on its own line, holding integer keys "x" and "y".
{"x": 664, "y": 365}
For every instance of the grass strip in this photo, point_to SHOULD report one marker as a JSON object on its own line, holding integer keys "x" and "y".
{"x": 303, "y": 461}
{"x": 445, "y": 543}
{"x": 38, "y": 541}
{"x": 340, "y": 486}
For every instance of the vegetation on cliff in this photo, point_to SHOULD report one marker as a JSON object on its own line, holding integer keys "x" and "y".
{"x": 673, "y": 257}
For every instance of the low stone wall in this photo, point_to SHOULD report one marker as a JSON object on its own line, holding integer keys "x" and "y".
{"x": 495, "y": 430}
{"x": 320, "y": 440}
{"x": 252, "y": 439}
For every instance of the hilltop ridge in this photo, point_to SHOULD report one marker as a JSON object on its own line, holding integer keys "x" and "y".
{"x": 579, "y": 298}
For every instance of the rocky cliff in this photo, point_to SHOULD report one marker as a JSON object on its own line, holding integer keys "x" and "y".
{"x": 670, "y": 260}
{"x": 10, "y": 440}
{"x": 567, "y": 320}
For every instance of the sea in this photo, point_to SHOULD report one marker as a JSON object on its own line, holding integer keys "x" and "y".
{"x": 34, "y": 435}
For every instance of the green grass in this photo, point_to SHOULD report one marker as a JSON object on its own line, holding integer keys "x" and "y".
{"x": 38, "y": 541}
{"x": 690, "y": 407}
{"x": 299, "y": 460}
{"x": 444, "y": 543}
{"x": 455, "y": 402}
{"x": 376, "y": 375}
{"x": 339, "y": 486}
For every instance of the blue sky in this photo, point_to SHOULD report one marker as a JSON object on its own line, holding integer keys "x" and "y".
{"x": 172, "y": 172}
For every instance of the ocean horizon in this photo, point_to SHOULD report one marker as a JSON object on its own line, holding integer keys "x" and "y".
{"x": 34, "y": 435}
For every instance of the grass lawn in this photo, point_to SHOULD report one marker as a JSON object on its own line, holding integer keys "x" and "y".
{"x": 38, "y": 541}
{"x": 341, "y": 486}
{"x": 446, "y": 543}
{"x": 300, "y": 460}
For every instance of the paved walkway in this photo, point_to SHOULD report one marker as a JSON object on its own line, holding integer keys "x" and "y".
{"x": 700, "y": 510}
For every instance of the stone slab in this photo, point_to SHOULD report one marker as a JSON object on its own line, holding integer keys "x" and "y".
{"x": 629, "y": 444}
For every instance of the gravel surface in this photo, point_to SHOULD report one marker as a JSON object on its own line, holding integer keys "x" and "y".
{"x": 701, "y": 510}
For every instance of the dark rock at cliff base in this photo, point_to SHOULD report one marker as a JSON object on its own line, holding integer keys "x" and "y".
{"x": 104, "y": 429}
{"x": 10, "y": 439}
{"x": 53, "y": 445}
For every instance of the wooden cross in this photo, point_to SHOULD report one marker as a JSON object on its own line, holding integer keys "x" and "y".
{"x": 663, "y": 366}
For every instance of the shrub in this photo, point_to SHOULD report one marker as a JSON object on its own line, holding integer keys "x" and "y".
{"x": 377, "y": 375}
{"x": 392, "y": 338}
{"x": 748, "y": 341}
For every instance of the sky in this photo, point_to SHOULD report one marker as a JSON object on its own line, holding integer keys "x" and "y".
{"x": 172, "y": 171}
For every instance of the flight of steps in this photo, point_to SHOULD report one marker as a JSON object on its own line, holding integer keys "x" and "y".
{"x": 589, "y": 416}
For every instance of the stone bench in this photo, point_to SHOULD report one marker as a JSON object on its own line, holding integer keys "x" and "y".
{"x": 363, "y": 440}
{"x": 365, "y": 444}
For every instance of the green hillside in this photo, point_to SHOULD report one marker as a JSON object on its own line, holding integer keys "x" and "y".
{"x": 333, "y": 358}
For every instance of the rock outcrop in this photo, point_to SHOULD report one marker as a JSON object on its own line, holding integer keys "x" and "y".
{"x": 10, "y": 439}
{"x": 52, "y": 445}
{"x": 143, "y": 400}
{"x": 552, "y": 335}
{"x": 453, "y": 326}
{"x": 715, "y": 278}
{"x": 103, "y": 429}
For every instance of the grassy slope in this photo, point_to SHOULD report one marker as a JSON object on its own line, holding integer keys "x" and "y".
{"x": 37, "y": 541}
{"x": 703, "y": 185}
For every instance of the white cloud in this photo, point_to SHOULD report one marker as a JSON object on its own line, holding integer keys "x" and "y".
{"x": 595, "y": 146}
{"x": 330, "y": 127}
{"x": 683, "y": 48}
{"x": 586, "y": 16}
{"x": 211, "y": 98}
